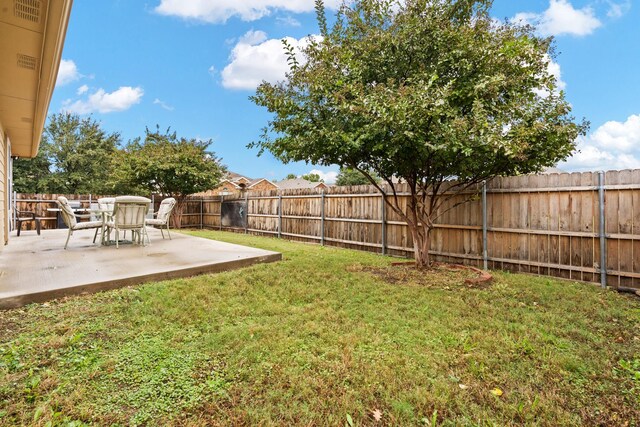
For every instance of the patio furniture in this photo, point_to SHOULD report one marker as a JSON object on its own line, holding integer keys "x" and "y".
{"x": 26, "y": 216}
{"x": 129, "y": 214}
{"x": 162, "y": 216}
{"x": 70, "y": 219}
{"x": 106, "y": 203}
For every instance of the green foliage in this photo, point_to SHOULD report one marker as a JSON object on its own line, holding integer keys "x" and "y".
{"x": 348, "y": 176}
{"x": 291, "y": 176}
{"x": 165, "y": 164}
{"x": 425, "y": 91}
{"x": 32, "y": 175}
{"x": 312, "y": 177}
{"x": 75, "y": 157}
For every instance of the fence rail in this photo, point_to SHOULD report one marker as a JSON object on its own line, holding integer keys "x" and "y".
{"x": 563, "y": 225}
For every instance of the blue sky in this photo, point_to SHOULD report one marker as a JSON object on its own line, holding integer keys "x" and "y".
{"x": 192, "y": 64}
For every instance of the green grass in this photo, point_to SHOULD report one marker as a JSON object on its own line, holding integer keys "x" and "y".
{"x": 317, "y": 339}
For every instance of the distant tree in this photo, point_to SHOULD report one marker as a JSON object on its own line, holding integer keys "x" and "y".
{"x": 348, "y": 176}
{"x": 423, "y": 90}
{"x": 167, "y": 165}
{"x": 312, "y": 177}
{"x": 32, "y": 175}
{"x": 74, "y": 157}
{"x": 291, "y": 176}
{"x": 80, "y": 153}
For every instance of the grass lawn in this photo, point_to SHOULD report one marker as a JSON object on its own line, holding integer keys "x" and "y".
{"x": 318, "y": 339}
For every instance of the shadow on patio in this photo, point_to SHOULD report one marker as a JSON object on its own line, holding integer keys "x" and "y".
{"x": 37, "y": 268}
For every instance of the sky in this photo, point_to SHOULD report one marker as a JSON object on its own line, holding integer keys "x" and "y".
{"x": 193, "y": 64}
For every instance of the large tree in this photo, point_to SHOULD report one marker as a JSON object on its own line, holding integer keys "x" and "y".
{"x": 74, "y": 157}
{"x": 167, "y": 165}
{"x": 80, "y": 153}
{"x": 421, "y": 92}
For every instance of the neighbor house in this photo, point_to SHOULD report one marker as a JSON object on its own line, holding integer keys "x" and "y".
{"x": 297, "y": 183}
{"x": 234, "y": 182}
{"x": 32, "y": 36}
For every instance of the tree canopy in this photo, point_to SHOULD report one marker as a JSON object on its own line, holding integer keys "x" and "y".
{"x": 74, "y": 157}
{"x": 420, "y": 91}
{"x": 348, "y": 176}
{"x": 167, "y": 165}
{"x": 312, "y": 177}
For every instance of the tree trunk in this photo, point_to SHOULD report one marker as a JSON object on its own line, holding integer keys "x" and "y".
{"x": 176, "y": 214}
{"x": 421, "y": 245}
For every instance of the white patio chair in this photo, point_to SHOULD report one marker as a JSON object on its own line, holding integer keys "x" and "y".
{"x": 128, "y": 214}
{"x": 70, "y": 219}
{"x": 163, "y": 215}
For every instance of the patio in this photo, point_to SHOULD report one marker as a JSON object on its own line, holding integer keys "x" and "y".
{"x": 36, "y": 268}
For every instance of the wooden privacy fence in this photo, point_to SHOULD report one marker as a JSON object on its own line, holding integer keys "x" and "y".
{"x": 543, "y": 224}
{"x": 563, "y": 225}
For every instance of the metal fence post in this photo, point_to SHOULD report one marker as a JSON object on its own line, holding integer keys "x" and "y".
{"x": 246, "y": 206}
{"x": 485, "y": 251}
{"x": 603, "y": 236}
{"x": 384, "y": 224}
{"x": 322, "y": 219}
{"x": 279, "y": 216}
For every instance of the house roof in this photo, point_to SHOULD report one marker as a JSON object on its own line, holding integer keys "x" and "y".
{"x": 258, "y": 180}
{"x": 289, "y": 184}
{"x": 32, "y": 35}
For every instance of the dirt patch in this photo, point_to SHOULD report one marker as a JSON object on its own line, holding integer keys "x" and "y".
{"x": 440, "y": 276}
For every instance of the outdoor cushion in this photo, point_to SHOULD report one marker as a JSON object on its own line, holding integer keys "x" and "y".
{"x": 68, "y": 216}
{"x": 87, "y": 224}
{"x": 155, "y": 221}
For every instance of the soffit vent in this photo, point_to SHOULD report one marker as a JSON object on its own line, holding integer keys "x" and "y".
{"x": 26, "y": 61}
{"x": 27, "y": 9}
{"x": 26, "y": 120}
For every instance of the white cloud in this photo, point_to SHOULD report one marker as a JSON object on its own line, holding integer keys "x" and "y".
{"x": 617, "y": 10}
{"x": 218, "y": 11}
{"x": 67, "y": 73}
{"x": 82, "y": 89}
{"x": 256, "y": 58}
{"x": 329, "y": 177}
{"x": 163, "y": 104}
{"x": 561, "y": 18}
{"x": 103, "y": 102}
{"x": 614, "y": 145}
{"x": 288, "y": 21}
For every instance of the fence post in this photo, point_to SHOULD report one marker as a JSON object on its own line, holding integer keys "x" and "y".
{"x": 279, "y": 215}
{"x": 221, "y": 200}
{"x": 246, "y": 206}
{"x": 603, "y": 237}
{"x": 201, "y": 214}
{"x": 485, "y": 251}
{"x": 322, "y": 219}
{"x": 384, "y": 224}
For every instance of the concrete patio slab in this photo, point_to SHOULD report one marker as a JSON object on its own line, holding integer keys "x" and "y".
{"x": 36, "y": 268}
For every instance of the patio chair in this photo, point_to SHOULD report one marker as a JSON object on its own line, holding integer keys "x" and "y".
{"x": 70, "y": 219}
{"x": 26, "y": 216}
{"x": 106, "y": 203}
{"x": 162, "y": 216}
{"x": 128, "y": 214}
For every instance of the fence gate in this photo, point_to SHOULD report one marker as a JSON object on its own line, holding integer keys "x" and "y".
{"x": 234, "y": 213}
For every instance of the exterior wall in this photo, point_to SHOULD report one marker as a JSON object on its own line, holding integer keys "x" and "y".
{"x": 4, "y": 207}
{"x": 263, "y": 186}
